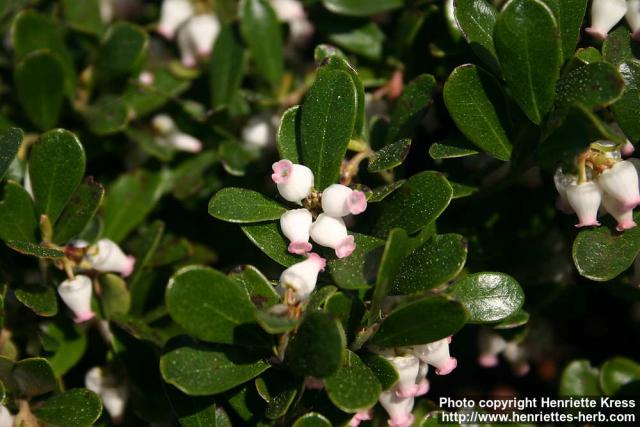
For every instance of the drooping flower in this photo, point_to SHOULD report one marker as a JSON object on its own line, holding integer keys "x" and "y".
{"x": 605, "y": 14}
{"x": 106, "y": 256}
{"x": 408, "y": 367}
{"x": 6, "y": 419}
{"x": 332, "y": 233}
{"x": 146, "y": 78}
{"x": 621, "y": 183}
{"x": 294, "y": 181}
{"x": 339, "y": 200}
{"x": 113, "y": 395}
{"x": 516, "y": 355}
{"x": 585, "y": 200}
{"x": 301, "y": 278}
{"x": 173, "y": 14}
{"x": 436, "y": 354}
{"x": 295, "y": 225}
{"x": 76, "y": 294}
{"x": 292, "y": 12}
{"x": 562, "y": 181}
{"x": 169, "y": 135}
{"x": 259, "y": 132}
{"x": 196, "y": 38}
{"x": 398, "y": 408}
{"x": 633, "y": 18}
{"x": 628, "y": 148}
{"x": 362, "y": 415}
{"x": 491, "y": 345}
{"x": 623, "y": 216}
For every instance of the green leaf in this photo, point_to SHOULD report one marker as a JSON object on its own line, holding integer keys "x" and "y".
{"x": 317, "y": 349}
{"x": 462, "y": 190}
{"x": 244, "y": 206}
{"x": 122, "y": 51}
{"x": 602, "y": 254}
{"x": 270, "y": 240}
{"x": 79, "y": 211}
{"x": 625, "y": 109}
{"x": 434, "y": 263}
{"x": 39, "y": 298}
{"x": 226, "y": 67}
{"x": 519, "y": 318}
{"x": 262, "y": 33}
{"x": 28, "y": 248}
{"x": 288, "y": 136}
{"x": 616, "y": 373}
{"x": 353, "y": 386}
{"x": 378, "y": 194}
{"x": 312, "y": 419}
{"x": 56, "y": 167}
{"x": 390, "y": 156}
{"x": 72, "y": 408}
{"x": 235, "y": 157}
{"x": 114, "y": 295}
{"x": 346, "y": 308}
{"x": 477, "y": 19}
{"x": 451, "y": 149}
{"x": 108, "y": 115}
{"x": 528, "y": 46}
{"x": 18, "y": 219}
{"x": 145, "y": 99}
{"x": 579, "y": 379}
{"x": 420, "y": 322}
{"x": 129, "y": 199}
{"x": 356, "y": 271}
{"x": 34, "y": 377}
{"x": 201, "y": 369}
{"x": 384, "y": 371}
{"x": 279, "y": 390}
{"x": 390, "y": 266}
{"x": 274, "y": 323}
{"x": 212, "y": 307}
{"x": 10, "y": 141}
{"x": 84, "y": 16}
{"x": 593, "y": 85}
{"x": 360, "y": 8}
{"x": 488, "y": 297}
{"x": 39, "y": 80}
{"x": 258, "y": 287}
{"x": 361, "y": 37}
{"x": 569, "y": 15}
{"x": 618, "y": 47}
{"x": 69, "y": 342}
{"x": 193, "y": 411}
{"x": 476, "y": 105}
{"x": 411, "y": 107}
{"x": 588, "y": 55}
{"x": 414, "y": 205}
{"x": 325, "y": 139}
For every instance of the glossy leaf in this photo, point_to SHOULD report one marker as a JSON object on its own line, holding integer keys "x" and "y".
{"x": 616, "y": 373}
{"x": 451, "y": 149}
{"x": 359, "y": 8}
{"x": 488, "y": 297}
{"x": 378, "y": 194}
{"x": 312, "y": 419}
{"x": 593, "y": 85}
{"x": 108, "y": 115}
{"x": 10, "y": 141}
{"x": 569, "y": 15}
{"x": 226, "y": 67}
{"x": 18, "y": 219}
{"x": 122, "y": 51}
{"x": 193, "y": 411}
{"x": 145, "y": 99}
{"x": 354, "y": 271}
{"x": 353, "y": 386}
{"x": 390, "y": 156}
{"x": 114, "y": 295}
{"x": 384, "y": 371}
{"x": 270, "y": 240}
{"x": 274, "y": 323}
{"x": 360, "y": 37}
{"x": 279, "y": 390}
{"x": 84, "y": 16}
{"x": 475, "y": 103}
{"x": 579, "y": 379}
{"x": 80, "y": 209}
{"x": 391, "y": 265}
{"x": 411, "y": 107}
{"x": 244, "y": 206}
{"x": 288, "y": 137}
{"x": 40, "y": 251}
{"x": 40, "y": 299}
{"x": 519, "y": 318}
{"x": 477, "y": 19}
{"x": 258, "y": 287}
{"x": 528, "y": 45}
{"x": 628, "y": 104}
{"x": 67, "y": 343}
{"x": 34, "y": 376}
{"x": 618, "y": 47}
{"x": 72, "y": 408}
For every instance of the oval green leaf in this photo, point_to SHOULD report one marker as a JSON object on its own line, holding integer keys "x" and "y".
{"x": 353, "y": 386}
{"x": 72, "y": 408}
{"x": 244, "y": 206}
{"x": 616, "y": 373}
{"x": 18, "y": 219}
{"x": 477, "y": 19}
{"x": 361, "y": 8}
{"x": 226, "y": 67}
{"x": 10, "y": 141}
{"x": 270, "y": 240}
{"x": 390, "y": 156}
{"x": 411, "y": 108}
{"x": 578, "y": 379}
{"x": 592, "y": 85}
{"x": 288, "y": 137}
{"x": 79, "y": 211}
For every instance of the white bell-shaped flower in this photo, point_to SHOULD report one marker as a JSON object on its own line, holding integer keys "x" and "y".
{"x": 173, "y": 14}
{"x": 398, "y": 408}
{"x": 623, "y": 216}
{"x": 605, "y": 14}
{"x": 6, "y": 419}
{"x": 196, "y": 38}
{"x": 436, "y": 354}
{"x": 259, "y": 132}
{"x": 562, "y": 181}
{"x": 288, "y": 10}
{"x": 113, "y": 395}
{"x": 332, "y": 233}
{"x": 295, "y": 225}
{"x": 106, "y": 256}
{"x": 491, "y": 345}
{"x": 106, "y": 11}
{"x": 302, "y": 277}
{"x": 585, "y": 200}
{"x": 169, "y": 135}
{"x": 360, "y": 416}
{"x": 408, "y": 367}
{"x": 421, "y": 380}
{"x": 339, "y": 200}
{"x": 294, "y": 181}
{"x": 621, "y": 183}
{"x": 516, "y": 355}
{"x": 76, "y": 294}
{"x": 633, "y": 17}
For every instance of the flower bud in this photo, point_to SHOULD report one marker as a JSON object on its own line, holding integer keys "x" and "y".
{"x": 622, "y": 215}
{"x": 259, "y": 131}
{"x": 184, "y": 142}
{"x": 605, "y": 14}
{"x": 633, "y": 17}
{"x": 173, "y": 14}
{"x": 398, "y": 408}
{"x": 408, "y": 367}
{"x": 196, "y": 38}
{"x": 106, "y": 256}
{"x": 621, "y": 183}
{"x": 302, "y": 277}
{"x": 294, "y": 181}
{"x": 146, "y": 78}
{"x": 491, "y": 345}
{"x": 628, "y": 148}
{"x": 170, "y": 136}
{"x": 585, "y": 200}
{"x": 436, "y": 354}
{"x": 561, "y": 182}
{"x": 76, "y": 294}
{"x": 339, "y": 200}
{"x": 332, "y": 233}
{"x": 114, "y": 396}
{"x": 295, "y": 225}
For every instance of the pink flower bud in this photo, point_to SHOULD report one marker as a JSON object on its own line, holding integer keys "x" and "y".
{"x": 585, "y": 200}
{"x": 622, "y": 215}
{"x": 76, "y": 294}
{"x": 633, "y": 17}
{"x": 339, "y": 200}
{"x": 106, "y": 256}
{"x": 436, "y": 354}
{"x": 302, "y": 277}
{"x": 295, "y": 225}
{"x": 398, "y": 408}
{"x": 332, "y": 233}
{"x": 605, "y": 14}
{"x": 294, "y": 181}
{"x": 146, "y": 78}
{"x": 628, "y": 148}
{"x": 621, "y": 183}
{"x": 173, "y": 14}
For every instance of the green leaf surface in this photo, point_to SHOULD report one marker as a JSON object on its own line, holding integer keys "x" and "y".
{"x": 39, "y": 298}
{"x": 275, "y": 324}
{"x": 421, "y": 321}
{"x": 414, "y": 205}
{"x": 616, "y": 373}
{"x": 618, "y": 47}
{"x": 361, "y": 8}
{"x": 79, "y": 211}
{"x": 258, "y": 287}
{"x": 391, "y": 265}
{"x": 83, "y": 16}
{"x": 279, "y": 390}
{"x": 18, "y": 219}
{"x": 114, "y": 295}
{"x": 77, "y": 407}
{"x": 384, "y": 371}
{"x": 317, "y": 349}
{"x": 390, "y": 156}
{"x": 226, "y": 67}
{"x": 144, "y": 99}
{"x": 529, "y": 49}
{"x": 270, "y": 240}
{"x": 477, "y": 19}
{"x": 360, "y": 37}
{"x": 123, "y": 50}
{"x": 411, "y": 107}
{"x": 451, "y": 149}
{"x": 326, "y": 124}
{"x": 476, "y": 105}
{"x": 569, "y": 15}
{"x": 488, "y": 297}
{"x": 108, "y": 115}
{"x": 28, "y": 248}
{"x": 262, "y": 33}
{"x": 66, "y": 341}
{"x": 579, "y": 379}
{"x": 200, "y": 369}
{"x": 244, "y": 206}
{"x": 353, "y": 386}
{"x": 312, "y": 419}
{"x": 462, "y": 190}
{"x": 519, "y": 318}
{"x": 434, "y": 263}
{"x": 288, "y": 136}
{"x": 34, "y": 377}
{"x": 625, "y": 109}
{"x": 193, "y": 411}
{"x": 346, "y": 308}
{"x": 356, "y": 271}
{"x": 56, "y": 167}
{"x": 10, "y": 141}
{"x": 593, "y": 85}
{"x": 378, "y": 194}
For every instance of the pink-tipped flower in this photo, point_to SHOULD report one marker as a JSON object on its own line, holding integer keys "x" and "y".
{"x": 173, "y": 14}
{"x": 621, "y": 183}
{"x": 436, "y": 354}
{"x": 295, "y": 225}
{"x": 516, "y": 355}
{"x": 146, "y": 78}
{"x": 633, "y": 17}
{"x": 294, "y": 181}
{"x": 605, "y": 14}
{"x": 106, "y": 256}
{"x": 407, "y": 367}
{"x": 113, "y": 395}
{"x": 288, "y": 10}
{"x": 585, "y": 200}
{"x": 398, "y": 408}
{"x": 196, "y": 38}
{"x": 360, "y": 416}
{"x": 491, "y": 345}
{"x": 302, "y": 277}
{"x": 332, "y": 233}
{"x": 76, "y": 294}
{"x": 622, "y": 215}
{"x": 628, "y": 148}
{"x": 562, "y": 182}
{"x": 422, "y": 384}
{"x": 339, "y": 200}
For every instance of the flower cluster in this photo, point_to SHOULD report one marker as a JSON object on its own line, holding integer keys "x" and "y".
{"x": 605, "y": 14}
